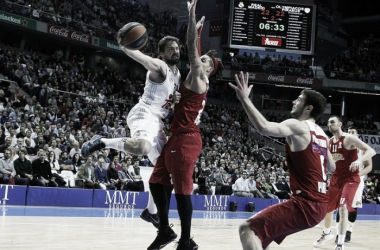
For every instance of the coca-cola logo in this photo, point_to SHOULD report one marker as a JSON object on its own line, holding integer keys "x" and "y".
{"x": 271, "y": 41}
{"x": 56, "y": 30}
{"x": 276, "y": 78}
{"x": 305, "y": 80}
{"x": 59, "y": 31}
{"x": 80, "y": 37}
{"x": 252, "y": 76}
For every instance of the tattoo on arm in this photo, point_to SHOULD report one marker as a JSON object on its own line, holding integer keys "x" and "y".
{"x": 192, "y": 38}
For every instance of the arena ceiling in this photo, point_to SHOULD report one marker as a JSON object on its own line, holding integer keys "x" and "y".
{"x": 360, "y": 18}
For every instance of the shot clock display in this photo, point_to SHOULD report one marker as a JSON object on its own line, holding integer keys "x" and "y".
{"x": 272, "y": 26}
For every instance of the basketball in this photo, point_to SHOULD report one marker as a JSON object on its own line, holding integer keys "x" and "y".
{"x": 133, "y": 36}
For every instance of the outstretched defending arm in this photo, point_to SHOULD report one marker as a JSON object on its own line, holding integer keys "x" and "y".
{"x": 284, "y": 129}
{"x": 197, "y": 77}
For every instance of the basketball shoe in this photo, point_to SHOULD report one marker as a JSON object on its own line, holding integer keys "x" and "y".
{"x": 94, "y": 144}
{"x": 163, "y": 238}
{"x": 188, "y": 244}
{"x": 152, "y": 218}
{"x": 348, "y": 237}
{"x": 322, "y": 240}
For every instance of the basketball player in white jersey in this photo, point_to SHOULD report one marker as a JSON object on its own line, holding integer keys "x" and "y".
{"x": 145, "y": 118}
{"x": 364, "y": 169}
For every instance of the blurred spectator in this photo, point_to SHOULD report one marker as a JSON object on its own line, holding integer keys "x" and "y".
{"x": 6, "y": 168}
{"x": 252, "y": 186}
{"x": 101, "y": 176}
{"x": 42, "y": 175}
{"x": 86, "y": 175}
{"x": 240, "y": 187}
{"x": 23, "y": 168}
{"x": 129, "y": 184}
{"x": 113, "y": 176}
{"x": 222, "y": 186}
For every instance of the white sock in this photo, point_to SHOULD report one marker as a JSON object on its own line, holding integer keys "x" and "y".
{"x": 152, "y": 209}
{"x": 337, "y": 227}
{"x": 326, "y": 230}
{"x": 350, "y": 226}
{"x": 115, "y": 143}
{"x": 341, "y": 238}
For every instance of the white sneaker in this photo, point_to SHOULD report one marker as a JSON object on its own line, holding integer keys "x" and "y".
{"x": 339, "y": 247}
{"x": 322, "y": 240}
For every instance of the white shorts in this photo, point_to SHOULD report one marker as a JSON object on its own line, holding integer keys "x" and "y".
{"x": 145, "y": 125}
{"x": 357, "y": 202}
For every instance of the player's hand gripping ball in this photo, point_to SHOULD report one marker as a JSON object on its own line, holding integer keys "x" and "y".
{"x": 133, "y": 36}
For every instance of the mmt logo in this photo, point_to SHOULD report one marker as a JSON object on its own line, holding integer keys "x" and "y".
{"x": 120, "y": 200}
{"x": 216, "y": 203}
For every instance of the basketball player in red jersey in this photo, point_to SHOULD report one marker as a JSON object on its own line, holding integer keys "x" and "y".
{"x": 307, "y": 156}
{"x": 345, "y": 180}
{"x": 357, "y": 202}
{"x": 175, "y": 165}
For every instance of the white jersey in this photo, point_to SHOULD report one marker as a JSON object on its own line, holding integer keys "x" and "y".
{"x": 158, "y": 97}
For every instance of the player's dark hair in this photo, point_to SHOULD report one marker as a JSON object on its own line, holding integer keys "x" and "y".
{"x": 315, "y": 99}
{"x": 337, "y": 117}
{"x": 164, "y": 40}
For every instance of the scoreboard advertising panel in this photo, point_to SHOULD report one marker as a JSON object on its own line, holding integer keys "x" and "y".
{"x": 272, "y": 26}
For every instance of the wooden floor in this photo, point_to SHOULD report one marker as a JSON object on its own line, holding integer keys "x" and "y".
{"x": 45, "y": 228}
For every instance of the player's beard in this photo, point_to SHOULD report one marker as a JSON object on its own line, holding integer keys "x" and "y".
{"x": 174, "y": 60}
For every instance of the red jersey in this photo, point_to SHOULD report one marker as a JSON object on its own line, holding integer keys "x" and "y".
{"x": 307, "y": 168}
{"x": 343, "y": 158}
{"x": 188, "y": 112}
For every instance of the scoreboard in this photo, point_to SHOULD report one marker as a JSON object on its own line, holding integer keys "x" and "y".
{"x": 272, "y": 26}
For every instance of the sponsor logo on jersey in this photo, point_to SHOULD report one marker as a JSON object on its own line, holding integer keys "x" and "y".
{"x": 337, "y": 157}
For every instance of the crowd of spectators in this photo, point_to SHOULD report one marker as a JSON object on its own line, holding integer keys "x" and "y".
{"x": 97, "y": 18}
{"x": 361, "y": 62}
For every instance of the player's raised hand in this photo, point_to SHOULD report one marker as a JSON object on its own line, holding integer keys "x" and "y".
{"x": 191, "y": 5}
{"x": 241, "y": 88}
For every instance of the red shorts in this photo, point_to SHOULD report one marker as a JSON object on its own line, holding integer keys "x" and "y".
{"x": 342, "y": 191}
{"x": 175, "y": 166}
{"x": 278, "y": 221}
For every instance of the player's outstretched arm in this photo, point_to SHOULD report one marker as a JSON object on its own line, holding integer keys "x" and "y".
{"x": 283, "y": 129}
{"x": 196, "y": 72}
{"x": 152, "y": 64}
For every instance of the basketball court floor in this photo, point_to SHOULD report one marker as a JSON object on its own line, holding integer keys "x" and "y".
{"x": 95, "y": 228}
